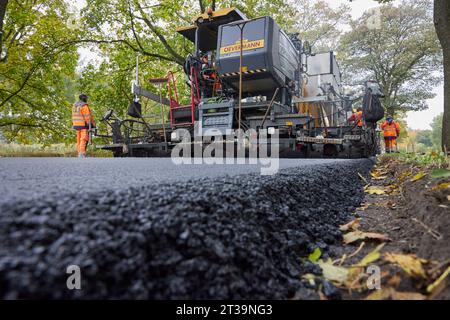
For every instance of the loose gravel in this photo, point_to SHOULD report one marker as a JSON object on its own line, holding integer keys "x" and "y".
{"x": 238, "y": 237}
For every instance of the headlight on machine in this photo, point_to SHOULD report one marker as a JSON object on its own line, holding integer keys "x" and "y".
{"x": 174, "y": 136}
{"x": 271, "y": 130}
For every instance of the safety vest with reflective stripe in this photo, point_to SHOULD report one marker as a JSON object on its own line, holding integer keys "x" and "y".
{"x": 81, "y": 116}
{"x": 390, "y": 130}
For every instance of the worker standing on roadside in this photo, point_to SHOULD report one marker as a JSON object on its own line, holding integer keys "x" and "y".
{"x": 357, "y": 118}
{"x": 391, "y": 130}
{"x": 82, "y": 122}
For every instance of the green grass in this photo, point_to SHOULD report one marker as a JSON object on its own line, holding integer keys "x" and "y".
{"x": 54, "y": 150}
{"x": 433, "y": 159}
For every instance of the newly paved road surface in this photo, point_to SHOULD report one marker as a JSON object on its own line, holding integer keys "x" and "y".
{"x": 234, "y": 234}
{"x": 23, "y": 179}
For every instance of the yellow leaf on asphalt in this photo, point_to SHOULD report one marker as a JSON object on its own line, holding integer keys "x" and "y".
{"x": 410, "y": 263}
{"x": 435, "y": 284}
{"x": 359, "y": 235}
{"x": 315, "y": 255}
{"x": 371, "y": 256}
{"x": 391, "y": 293}
{"x": 418, "y": 176}
{"x": 375, "y": 190}
{"x": 352, "y": 225}
{"x": 333, "y": 273}
{"x": 441, "y": 186}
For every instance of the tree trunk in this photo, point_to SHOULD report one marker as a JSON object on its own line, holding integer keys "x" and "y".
{"x": 3, "y": 4}
{"x": 442, "y": 24}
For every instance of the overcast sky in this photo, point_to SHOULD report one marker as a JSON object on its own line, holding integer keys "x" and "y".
{"x": 416, "y": 120}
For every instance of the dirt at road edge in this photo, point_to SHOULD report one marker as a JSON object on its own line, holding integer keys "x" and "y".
{"x": 413, "y": 209}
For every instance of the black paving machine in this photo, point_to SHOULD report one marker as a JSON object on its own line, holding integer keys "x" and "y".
{"x": 249, "y": 75}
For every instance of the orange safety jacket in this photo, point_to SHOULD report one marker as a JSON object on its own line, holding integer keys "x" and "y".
{"x": 390, "y": 130}
{"x": 357, "y": 117}
{"x": 82, "y": 116}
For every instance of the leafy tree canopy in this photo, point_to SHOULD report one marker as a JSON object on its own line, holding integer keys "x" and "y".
{"x": 402, "y": 54}
{"x": 34, "y": 69}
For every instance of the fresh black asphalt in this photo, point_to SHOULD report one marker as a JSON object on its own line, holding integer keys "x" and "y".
{"x": 31, "y": 178}
{"x": 146, "y": 229}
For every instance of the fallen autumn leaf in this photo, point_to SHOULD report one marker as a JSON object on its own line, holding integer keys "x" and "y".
{"x": 315, "y": 255}
{"x": 352, "y": 225}
{"x": 410, "y": 263}
{"x": 359, "y": 235}
{"x": 375, "y": 190}
{"x": 333, "y": 273}
{"x": 371, "y": 256}
{"x": 418, "y": 176}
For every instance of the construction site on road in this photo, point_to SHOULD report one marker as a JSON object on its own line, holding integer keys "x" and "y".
{"x": 252, "y": 86}
{"x": 252, "y": 172}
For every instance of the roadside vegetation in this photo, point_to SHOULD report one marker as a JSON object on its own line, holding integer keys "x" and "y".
{"x": 429, "y": 160}
{"x": 38, "y": 150}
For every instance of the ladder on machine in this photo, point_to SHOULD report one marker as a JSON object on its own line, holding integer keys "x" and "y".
{"x": 183, "y": 115}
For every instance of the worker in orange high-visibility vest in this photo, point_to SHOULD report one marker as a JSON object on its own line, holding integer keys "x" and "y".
{"x": 82, "y": 122}
{"x": 357, "y": 117}
{"x": 391, "y": 130}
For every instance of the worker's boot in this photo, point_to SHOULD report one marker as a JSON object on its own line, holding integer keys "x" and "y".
{"x": 82, "y": 155}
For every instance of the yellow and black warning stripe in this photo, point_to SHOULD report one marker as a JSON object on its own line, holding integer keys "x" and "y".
{"x": 233, "y": 74}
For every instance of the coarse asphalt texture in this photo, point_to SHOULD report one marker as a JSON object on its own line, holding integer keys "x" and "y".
{"x": 32, "y": 178}
{"x": 147, "y": 229}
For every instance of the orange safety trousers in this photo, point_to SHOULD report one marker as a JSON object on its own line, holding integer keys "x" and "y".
{"x": 82, "y": 140}
{"x": 390, "y": 143}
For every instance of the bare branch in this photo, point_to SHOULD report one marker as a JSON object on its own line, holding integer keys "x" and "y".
{"x": 154, "y": 55}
